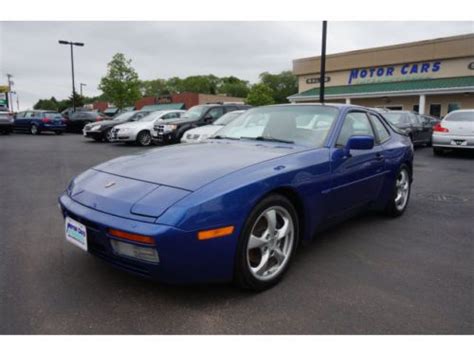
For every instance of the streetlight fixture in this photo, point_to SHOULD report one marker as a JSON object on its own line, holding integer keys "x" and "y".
{"x": 72, "y": 44}
{"x": 81, "y": 85}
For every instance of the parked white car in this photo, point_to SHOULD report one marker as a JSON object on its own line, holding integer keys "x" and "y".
{"x": 456, "y": 130}
{"x": 200, "y": 134}
{"x": 140, "y": 131}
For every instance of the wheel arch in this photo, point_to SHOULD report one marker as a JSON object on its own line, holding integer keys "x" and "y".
{"x": 296, "y": 200}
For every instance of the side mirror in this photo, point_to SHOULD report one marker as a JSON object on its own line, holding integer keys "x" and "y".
{"x": 360, "y": 143}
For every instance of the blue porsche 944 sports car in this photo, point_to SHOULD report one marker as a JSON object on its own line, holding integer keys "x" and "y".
{"x": 237, "y": 206}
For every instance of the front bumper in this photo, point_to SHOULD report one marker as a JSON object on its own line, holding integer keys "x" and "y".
{"x": 93, "y": 134}
{"x": 453, "y": 141}
{"x": 183, "y": 258}
{"x": 164, "y": 138}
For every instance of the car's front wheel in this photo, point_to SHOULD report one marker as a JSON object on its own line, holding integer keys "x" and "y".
{"x": 267, "y": 243}
{"x": 108, "y": 136}
{"x": 401, "y": 193}
{"x": 144, "y": 138}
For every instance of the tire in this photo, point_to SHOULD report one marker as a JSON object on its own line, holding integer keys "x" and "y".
{"x": 144, "y": 138}
{"x": 430, "y": 143}
{"x": 438, "y": 151}
{"x": 401, "y": 193}
{"x": 251, "y": 271}
{"x": 34, "y": 130}
{"x": 58, "y": 133}
{"x": 108, "y": 135}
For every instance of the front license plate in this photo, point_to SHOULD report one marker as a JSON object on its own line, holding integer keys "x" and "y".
{"x": 458, "y": 142}
{"x": 76, "y": 233}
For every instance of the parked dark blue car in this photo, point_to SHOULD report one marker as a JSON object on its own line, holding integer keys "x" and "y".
{"x": 37, "y": 121}
{"x": 236, "y": 207}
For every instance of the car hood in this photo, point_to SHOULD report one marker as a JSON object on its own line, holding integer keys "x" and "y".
{"x": 103, "y": 123}
{"x": 209, "y": 129}
{"x": 137, "y": 124}
{"x": 192, "y": 166}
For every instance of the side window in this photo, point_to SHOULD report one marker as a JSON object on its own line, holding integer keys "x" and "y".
{"x": 215, "y": 112}
{"x": 380, "y": 129}
{"x": 355, "y": 124}
{"x": 29, "y": 114}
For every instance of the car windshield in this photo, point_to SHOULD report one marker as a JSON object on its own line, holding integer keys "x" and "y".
{"x": 123, "y": 116}
{"x": 152, "y": 116}
{"x": 139, "y": 115}
{"x": 461, "y": 116}
{"x": 305, "y": 124}
{"x": 194, "y": 112}
{"x": 227, "y": 118}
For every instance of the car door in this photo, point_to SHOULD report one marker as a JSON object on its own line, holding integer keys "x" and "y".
{"x": 19, "y": 121}
{"x": 356, "y": 175}
{"x": 426, "y": 128}
{"x": 212, "y": 115}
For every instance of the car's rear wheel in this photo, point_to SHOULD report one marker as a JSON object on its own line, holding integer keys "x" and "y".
{"x": 401, "y": 193}
{"x": 144, "y": 138}
{"x": 267, "y": 243}
{"x": 34, "y": 130}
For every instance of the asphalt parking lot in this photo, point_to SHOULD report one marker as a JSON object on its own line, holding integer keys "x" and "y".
{"x": 371, "y": 275}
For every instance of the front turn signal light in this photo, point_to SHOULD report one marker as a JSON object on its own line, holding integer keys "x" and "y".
{"x": 131, "y": 236}
{"x": 215, "y": 233}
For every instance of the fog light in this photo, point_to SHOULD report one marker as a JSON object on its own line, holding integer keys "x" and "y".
{"x": 135, "y": 252}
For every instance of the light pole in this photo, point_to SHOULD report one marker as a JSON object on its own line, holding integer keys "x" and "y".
{"x": 81, "y": 85}
{"x": 322, "y": 77}
{"x": 71, "y": 44}
{"x": 9, "y": 93}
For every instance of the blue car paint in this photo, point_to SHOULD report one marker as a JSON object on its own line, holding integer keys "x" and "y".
{"x": 24, "y": 121}
{"x": 326, "y": 184}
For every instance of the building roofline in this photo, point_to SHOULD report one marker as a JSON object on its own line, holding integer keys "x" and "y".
{"x": 389, "y": 47}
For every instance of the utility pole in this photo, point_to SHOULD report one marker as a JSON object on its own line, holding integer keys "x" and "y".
{"x": 71, "y": 44}
{"x": 322, "y": 77}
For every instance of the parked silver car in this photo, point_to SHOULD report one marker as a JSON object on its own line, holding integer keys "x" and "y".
{"x": 456, "y": 130}
{"x": 140, "y": 131}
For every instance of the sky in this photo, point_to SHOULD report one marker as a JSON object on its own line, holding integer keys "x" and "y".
{"x": 41, "y": 68}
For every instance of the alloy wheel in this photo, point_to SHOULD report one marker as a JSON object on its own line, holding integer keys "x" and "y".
{"x": 402, "y": 190}
{"x": 270, "y": 243}
{"x": 145, "y": 138}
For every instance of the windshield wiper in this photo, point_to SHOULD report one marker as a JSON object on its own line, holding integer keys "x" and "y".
{"x": 268, "y": 139}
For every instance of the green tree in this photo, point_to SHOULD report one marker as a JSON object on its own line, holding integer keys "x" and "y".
{"x": 121, "y": 85}
{"x": 259, "y": 95}
{"x": 282, "y": 85}
{"x": 155, "y": 87}
{"x": 46, "y": 104}
{"x": 233, "y": 86}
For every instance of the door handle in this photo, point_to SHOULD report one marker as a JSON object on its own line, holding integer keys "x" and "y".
{"x": 379, "y": 156}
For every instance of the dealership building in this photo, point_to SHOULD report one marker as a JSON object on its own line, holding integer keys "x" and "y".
{"x": 431, "y": 77}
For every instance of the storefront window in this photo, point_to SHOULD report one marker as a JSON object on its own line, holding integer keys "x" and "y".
{"x": 453, "y": 106}
{"x": 435, "y": 110}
